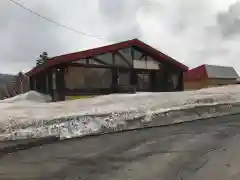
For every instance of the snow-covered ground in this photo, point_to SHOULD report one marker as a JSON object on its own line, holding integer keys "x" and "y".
{"x": 31, "y": 114}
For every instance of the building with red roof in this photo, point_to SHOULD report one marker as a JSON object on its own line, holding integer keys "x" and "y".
{"x": 122, "y": 67}
{"x": 209, "y": 76}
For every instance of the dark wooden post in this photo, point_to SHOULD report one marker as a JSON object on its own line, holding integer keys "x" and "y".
{"x": 132, "y": 54}
{"x": 114, "y": 74}
{"x": 133, "y": 74}
{"x": 114, "y": 58}
{"x": 31, "y": 83}
{"x": 114, "y": 80}
{"x": 46, "y": 83}
{"x": 37, "y": 83}
{"x": 163, "y": 83}
{"x": 43, "y": 83}
{"x": 180, "y": 86}
{"x": 60, "y": 83}
{"x": 133, "y": 79}
{"x": 50, "y": 82}
{"x": 153, "y": 80}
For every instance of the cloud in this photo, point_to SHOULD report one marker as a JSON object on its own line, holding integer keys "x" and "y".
{"x": 121, "y": 18}
{"x": 222, "y": 38}
{"x": 178, "y": 28}
{"x": 192, "y": 31}
{"x": 24, "y": 37}
{"x": 229, "y": 21}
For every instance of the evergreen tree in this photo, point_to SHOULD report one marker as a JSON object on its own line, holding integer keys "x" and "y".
{"x": 42, "y": 59}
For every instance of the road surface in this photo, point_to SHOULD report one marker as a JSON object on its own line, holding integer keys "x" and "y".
{"x": 200, "y": 150}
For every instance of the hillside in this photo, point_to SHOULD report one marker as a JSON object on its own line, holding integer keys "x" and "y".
{"x": 5, "y": 78}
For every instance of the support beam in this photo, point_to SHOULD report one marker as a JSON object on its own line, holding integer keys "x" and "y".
{"x": 50, "y": 84}
{"x": 142, "y": 57}
{"x": 42, "y": 82}
{"x": 61, "y": 82}
{"x": 153, "y": 80}
{"x": 162, "y": 78}
{"x": 113, "y": 59}
{"x": 31, "y": 82}
{"x": 145, "y": 58}
{"x": 87, "y": 61}
{"x": 58, "y": 83}
{"x": 94, "y": 66}
{"x": 100, "y": 61}
{"x": 123, "y": 58}
{"x": 132, "y": 54}
{"x": 133, "y": 76}
{"x": 114, "y": 80}
{"x": 180, "y": 86}
{"x": 39, "y": 83}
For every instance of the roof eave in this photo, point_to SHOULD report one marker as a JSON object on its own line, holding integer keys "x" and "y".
{"x": 109, "y": 48}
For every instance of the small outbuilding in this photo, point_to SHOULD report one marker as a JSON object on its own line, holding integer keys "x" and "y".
{"x": 209, "y": 76}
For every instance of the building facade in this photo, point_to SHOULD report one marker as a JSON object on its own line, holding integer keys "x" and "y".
{"x": 119, "y": 68}
{"x": 206, "y": 76}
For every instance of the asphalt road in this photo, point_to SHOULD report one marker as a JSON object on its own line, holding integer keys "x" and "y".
{"x": 200, "y": 150}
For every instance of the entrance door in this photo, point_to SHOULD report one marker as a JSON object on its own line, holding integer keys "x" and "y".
{"x": 143, "y": 81}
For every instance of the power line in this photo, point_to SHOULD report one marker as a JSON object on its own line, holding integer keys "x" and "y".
{"x": 57, "y": 23}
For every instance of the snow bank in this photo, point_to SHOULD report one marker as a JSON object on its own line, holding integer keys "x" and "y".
{"x": 29, "y": 116}
{"x": 29, "y": 96}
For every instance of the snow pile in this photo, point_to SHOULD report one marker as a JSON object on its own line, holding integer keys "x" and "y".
{"x": 24, "y": 116}
{"x": 29, "y": 96}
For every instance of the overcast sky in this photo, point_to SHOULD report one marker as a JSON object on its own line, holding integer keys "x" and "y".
{"x": 192, "y": 31}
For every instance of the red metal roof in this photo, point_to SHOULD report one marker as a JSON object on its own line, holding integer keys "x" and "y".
{"x": 104, "y": 49}
{"x": 196, "y": 74}
{"x": 210, "y": 71}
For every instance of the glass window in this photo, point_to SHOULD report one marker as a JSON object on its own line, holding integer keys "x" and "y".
{"x": 124, "y": 78}
{"x": 88, "y": 78}
{"x": 106, "y": 58}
